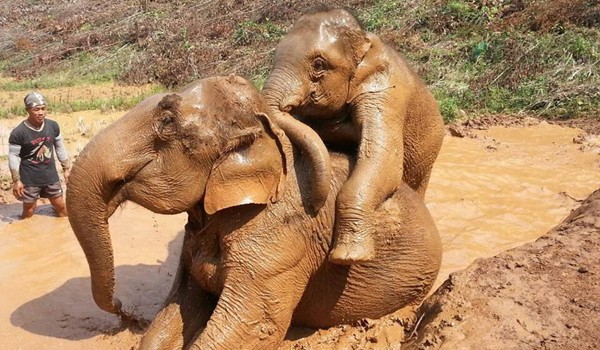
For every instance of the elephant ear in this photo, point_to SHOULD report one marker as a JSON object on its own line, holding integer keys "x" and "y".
{"x": 252, "y": 170}
{"x": 369, "y": 65}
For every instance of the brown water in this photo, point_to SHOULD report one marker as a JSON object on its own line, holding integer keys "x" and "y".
{"x": 486, "y": 195}
{"x": 46, "y": 286}
{"x": 505, "y": 188}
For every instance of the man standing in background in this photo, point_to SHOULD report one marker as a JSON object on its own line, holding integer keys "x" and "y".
{"x": 31, "y": 160}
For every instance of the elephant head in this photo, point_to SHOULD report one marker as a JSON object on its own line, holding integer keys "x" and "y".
{"x": 210, "y": 143}
{"x": 317, "y": 70}
{"x": 318, "y": 64}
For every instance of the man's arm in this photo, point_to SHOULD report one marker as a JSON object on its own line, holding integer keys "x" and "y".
{"x": 14, "y": 162}
{"x": 61, "y": 152}
{"x": 63, "y": 156}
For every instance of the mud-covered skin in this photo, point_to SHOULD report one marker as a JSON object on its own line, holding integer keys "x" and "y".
{"x": 254, "y": 256}
{"x": 161, "y": 155}
{"x": 359, "y": 95}
{"x": 225, "y": 257}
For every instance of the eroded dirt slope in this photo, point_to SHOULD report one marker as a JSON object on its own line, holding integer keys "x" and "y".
{"x": 543, "y": 295}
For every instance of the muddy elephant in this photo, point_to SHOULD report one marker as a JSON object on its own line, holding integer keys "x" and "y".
{"x": 360, "y": 96}
{"x": 254, "y": 255}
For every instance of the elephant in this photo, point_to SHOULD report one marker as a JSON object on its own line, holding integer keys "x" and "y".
{"x": 361, "y": 97}
{"x": 254, "y": 254}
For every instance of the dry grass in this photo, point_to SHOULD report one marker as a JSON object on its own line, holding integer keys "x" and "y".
{"x": 498, "y": 56}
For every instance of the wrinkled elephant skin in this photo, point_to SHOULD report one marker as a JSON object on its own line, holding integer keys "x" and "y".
{"x": 360, "y": 96}
{"x": 254, "y": 256}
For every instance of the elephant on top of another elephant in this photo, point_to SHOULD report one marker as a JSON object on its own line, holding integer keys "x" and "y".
{"x": 358, "y": 95}
{"x": 254, "y": 255}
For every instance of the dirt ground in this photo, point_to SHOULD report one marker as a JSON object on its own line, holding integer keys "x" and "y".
{"x": 493, "y": 188}
{"x": 543, "y": 295}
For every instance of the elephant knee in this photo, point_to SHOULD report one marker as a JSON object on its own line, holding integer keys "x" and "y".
{"x": 160, "y": 342}
{"x": 165, "y": 332}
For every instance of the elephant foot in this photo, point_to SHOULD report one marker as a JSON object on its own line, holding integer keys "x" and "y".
{"x": 352, "y": 250}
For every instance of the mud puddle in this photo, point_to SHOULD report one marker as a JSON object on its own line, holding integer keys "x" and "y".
{"x": 487, "y": 194}
{"x": 47, "y": 302}
{"x": 506, "y": 187}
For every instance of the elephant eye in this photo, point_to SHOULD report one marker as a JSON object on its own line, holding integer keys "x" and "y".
{"x": 319, "y": 64}
{"x": 166, "y": 126}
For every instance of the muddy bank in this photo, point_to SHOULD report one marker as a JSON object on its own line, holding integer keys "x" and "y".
{"x": 545, "y": 294}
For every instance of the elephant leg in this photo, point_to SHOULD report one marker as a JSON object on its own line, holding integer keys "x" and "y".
{"x": 422, "y": 187}
{"x": 257, "y": 317}
{"x": 419, "y": 157}
{"x": 419, "y": 183}
{"x": 259, "y": 297}
{"x": 186, "y": 311}
{"x": 375, "y": 177}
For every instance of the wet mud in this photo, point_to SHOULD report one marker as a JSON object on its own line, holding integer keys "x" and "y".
{"x": 504, "y": 187}
{"x": 495, "y": 190}
{"x": 542, "y": 295}
{"x": 47, "y": 302}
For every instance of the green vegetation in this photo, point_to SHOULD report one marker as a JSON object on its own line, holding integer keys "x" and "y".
{"x": 12, "y": 111}
{"x": 250, "y": 32}
{"x": 474, "y": 61}
{"x": 81, "y": 68}
{"x": 260, "y": 77}
{"x": 449, "y": 105}
{"x": 478, "y": 57}
{"x": 383, "y": 15}
{"x": 76, "y": 105}
{"x": 532, "y": 72}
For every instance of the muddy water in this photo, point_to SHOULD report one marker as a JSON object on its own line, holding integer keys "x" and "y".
{"x": 487, "y": 194}
{"x": 46, "y": 297}
{"x": 506, "y": 187}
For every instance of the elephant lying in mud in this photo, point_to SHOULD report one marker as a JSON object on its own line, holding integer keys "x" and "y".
{"x": 254, "y": 256}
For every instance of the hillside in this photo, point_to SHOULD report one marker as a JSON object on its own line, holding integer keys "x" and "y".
{"x": 478, "y": 56}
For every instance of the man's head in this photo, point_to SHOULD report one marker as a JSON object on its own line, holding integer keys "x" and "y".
{"x": 35, "y": 104}
{"x": 34, "y": 99}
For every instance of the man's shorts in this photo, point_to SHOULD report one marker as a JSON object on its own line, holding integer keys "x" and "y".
{"x": 33, "y": 193}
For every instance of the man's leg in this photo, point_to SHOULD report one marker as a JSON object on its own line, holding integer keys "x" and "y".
{"x": 30, "y": 197}
{"x": 28, "y": 209}
{"x": 54, "y": 193}
{"x": 59, "y": 206}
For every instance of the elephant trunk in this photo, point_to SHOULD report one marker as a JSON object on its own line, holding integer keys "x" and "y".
{"x": 287, "y": 103}
{"x": 282, "y": 94}
{"x": 92, "y": 196}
